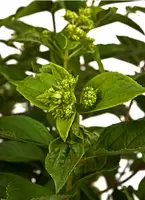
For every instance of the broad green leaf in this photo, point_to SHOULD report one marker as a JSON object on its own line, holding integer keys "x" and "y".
{"x": 61, "y": 41}
{"x": 72, "y": 44}
{"x": 70, "y": 5}
{"x": 58, "y": 71}
{"x": 63, "y": 126}
{"x": 62, "y": 159}
{"x": 121, "y": 138}
{"x": 13, "y": 151}
{"x": 18, "y": 26}
{"x": 34, "y": 35}
{"x": 104, "y": 17}
{"x": 31, "y": 87}
{"x": 89, "y": 138}
{"x": 12, "y": 73}
{"x": 113, "y": 89}
{"x": 5, "y": 179}
{"x": 20, "y": 188}
{"x": 24, "y": 129}
{"x": 141, "y": 190}
{"x": 34, "y": 7}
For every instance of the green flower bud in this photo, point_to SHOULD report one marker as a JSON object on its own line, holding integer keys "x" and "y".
{"x": 89, "y": 96}
{"x": 70, "y": 28}
{"x": 57, "y": 95}
{"x": 85, "y": 11}
{"x": 68, "y": 111}
{"x": 46, "y": 33}
{"x": 60, "y": 98}
{"x": 67, "y": 97}
{"x": 70, "y": 16}
{"x": 75, "y": 38}
{"x": 80, "y": 33}
{"x": 85, "y": 23}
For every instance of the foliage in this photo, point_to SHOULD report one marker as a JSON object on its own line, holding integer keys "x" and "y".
{"x": 47, "y": 142}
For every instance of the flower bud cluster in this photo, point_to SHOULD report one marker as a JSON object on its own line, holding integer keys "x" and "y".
{"x": 89, "y": 97}
{"x": 85, "y": 19}
{"x": 75, "y": 33}
{"x": 71, "y": 17}
{"x": 60, "y": 98}
{"x": 79, "y": 24}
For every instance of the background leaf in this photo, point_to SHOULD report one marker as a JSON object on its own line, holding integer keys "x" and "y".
{"x": 110, "y": 15}
{"x": 19, "y": 184}
{"x": 34, "y": 7}
{"x": 13, "y": 151}
{"x": 131, "y": 134}
{"x": 24, "y": 129}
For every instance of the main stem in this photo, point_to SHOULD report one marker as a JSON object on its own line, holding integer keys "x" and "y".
{"x": 53, "y": 20}
{"x": 65, "y": 63}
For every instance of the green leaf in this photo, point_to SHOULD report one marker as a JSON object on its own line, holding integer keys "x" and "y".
{"x": 5, "y": 179}
{"x": 58, "y": 71}
{"x": 106, "y": 2}
{"x": 13, "y": 151}
{"x": 61, "y": 41}
{"x": 18, "y": 26}
{"x": 70, "y": 5}
{"x": 53, "y": 197}
{"x": 24, "y": 129}
{"x": 31, "y": 87}
{"x": 12, "y": 73}
{"x": 34, "y": 35}
{"x": 63, "y": 126}
{"x": 135, "y": 9}
{"x": 30, "y": 190}
{"x": 64, "y": 156}
{"x": 34, "y": 7}
{"x": 89, "y": 138}
{"x": 121, "y": 138}
{"x": 113, "y": 89}
{"x": 20, "y": 188}
{"x": 141, "y": 190}
{"x": 104, "y": 17}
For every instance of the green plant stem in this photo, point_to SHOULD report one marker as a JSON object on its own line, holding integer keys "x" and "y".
{"x": 96, "y": 56}
{"x": 54, "y": 24}
{"x": 127, "y": 118}
{"x": 66, "y": 58}
{"x": 101, "y": 68}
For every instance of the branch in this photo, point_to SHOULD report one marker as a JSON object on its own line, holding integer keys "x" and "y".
{"x": 118, "y": 183}
{"x": 127, "y": 118}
